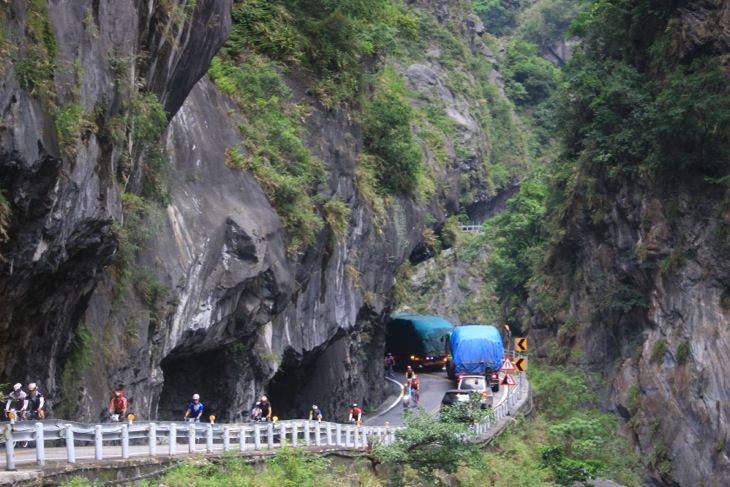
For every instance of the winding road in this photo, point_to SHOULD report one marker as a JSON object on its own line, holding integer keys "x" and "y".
{"x": 433, "y": 386}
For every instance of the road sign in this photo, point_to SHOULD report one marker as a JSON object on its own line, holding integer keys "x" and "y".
{"x": 508, "y": 380}
{"x": 507, "y": 364}
{"x": 520, "y": 364}
{"x": 521, "y": 344}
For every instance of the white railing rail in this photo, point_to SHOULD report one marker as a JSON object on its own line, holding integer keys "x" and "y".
{"x": 172, "y": 436}
{"x": 215, "y": 437}
{"x": 470, "y": 228}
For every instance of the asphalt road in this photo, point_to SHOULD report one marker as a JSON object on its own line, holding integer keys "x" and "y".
{"x": 433, "y": 386}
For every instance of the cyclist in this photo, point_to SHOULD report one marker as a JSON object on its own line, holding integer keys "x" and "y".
{"x": 355, "y": 414}
{"x": 18, "y": 402}
{"x": 256, "y": 411}
{"x": 315, "y": 413}
{"x": 389, "y": 364}
{"x": 118, "y": 404}
{"x": 195, "y": 409}
{"x": 265, "y": 410}
{"x": 409, "y": 373}
{"x": 407, "y": 395}
{"x": 36, "y": 401}
{"x": 416, "y": 388}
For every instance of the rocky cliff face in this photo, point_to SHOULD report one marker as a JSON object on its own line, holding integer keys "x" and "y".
{"x": 216, "y": 305}
{"x": 643, "y": 267}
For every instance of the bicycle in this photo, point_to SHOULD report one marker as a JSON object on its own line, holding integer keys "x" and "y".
{"x": 115, "y": 417}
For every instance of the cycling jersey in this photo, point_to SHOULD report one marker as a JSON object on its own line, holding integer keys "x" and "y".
{"x": 18, "y": 400}
{"x": 118, "y": 404}
{"x": 355, "y": 414}
{"x": 36, "y": 401}
{"x": 195, "y": 409}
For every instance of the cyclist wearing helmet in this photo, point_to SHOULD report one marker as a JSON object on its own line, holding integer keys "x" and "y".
{"x": 195, "y": 409}
{"x": 265, "y": 410}
{"x": 118, "y": 404}
{"x": 36, "y": 401}
{"x": 18, "y": 402}
{"x": 355, "y": 414}
{"x": 315, "y": 414}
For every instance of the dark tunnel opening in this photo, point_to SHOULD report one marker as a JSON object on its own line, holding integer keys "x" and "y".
{"x": 211, "y": 374}
{"x": 287, "y": 390}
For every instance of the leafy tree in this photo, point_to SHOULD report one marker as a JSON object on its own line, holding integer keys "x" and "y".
{"x": 516, "y": 237}
{"x": 546, "y": 22}
{"x": 544, "y": 381}
{"x": 429, "y": 445}
{"x": 389, "y": 138}
{"x": 529, "y": 79}
{"x": 499, "y": 16}
{"x": 692, "y": 129}
{"x": 568, "y": 471}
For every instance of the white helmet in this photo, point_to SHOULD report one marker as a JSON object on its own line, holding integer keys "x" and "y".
{"x": 315, "y": 407}
{"x": 31, "y": 386}
{"x": 263, "y": 398}
{"x": 196, "y": 396}
{"x": 17, "y": 386}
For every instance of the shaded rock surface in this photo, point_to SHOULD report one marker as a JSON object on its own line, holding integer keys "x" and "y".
{"x": 645, "y": 274}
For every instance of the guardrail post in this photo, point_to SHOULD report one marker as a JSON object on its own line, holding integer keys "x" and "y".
{"x": 307, "y": 431}
{"x": 125, "y": 441}
{"x": 152, "y": 439}
{"x": 209, "y": 438}
{"x": 9, "y": 449}
{"x": 98, "y": 443}
{"x": 294, "y": 433}
{"x": 226, "y": 439}
{"x": 282, "y": 433}
{"x": 356, "y": 439}
{"x": 317, "y": 433}
{"x": 241, "y": 438}
{"x": 70, "y": 453}
{"x": 40, "y": 445}
{"x": 328, "y": 427}
{"x": 257, "y": 437}
{"x": 270, "y": 438}
{"x": 339, "y": 434}
{"x": 191, "y": 438}
{"x": 348, "y": 431}
{"x": 172, "y": 445}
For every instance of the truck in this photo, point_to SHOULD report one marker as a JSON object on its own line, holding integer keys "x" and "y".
{"x": 417, "y": 340}
{"x": 475, "y": 349}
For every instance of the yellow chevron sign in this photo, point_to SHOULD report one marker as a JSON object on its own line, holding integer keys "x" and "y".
{"x": 520, "y": 364}
{"x": 521, "y": 344}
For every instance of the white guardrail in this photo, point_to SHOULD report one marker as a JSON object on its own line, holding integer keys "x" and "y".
{"x": 170, "y": 435}
{"x": 470, "y": 228}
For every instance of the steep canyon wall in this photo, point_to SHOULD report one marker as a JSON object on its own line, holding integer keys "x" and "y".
{"x": 216, "y": 304}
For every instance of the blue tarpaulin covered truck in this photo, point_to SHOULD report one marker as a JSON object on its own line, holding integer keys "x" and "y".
{"x": 475, "y": 349}
{"x": 417, "y": 340}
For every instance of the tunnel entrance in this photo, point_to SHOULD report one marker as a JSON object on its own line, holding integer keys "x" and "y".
{"x": 288, "y": 389}
{"x": 213, "y": 375}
